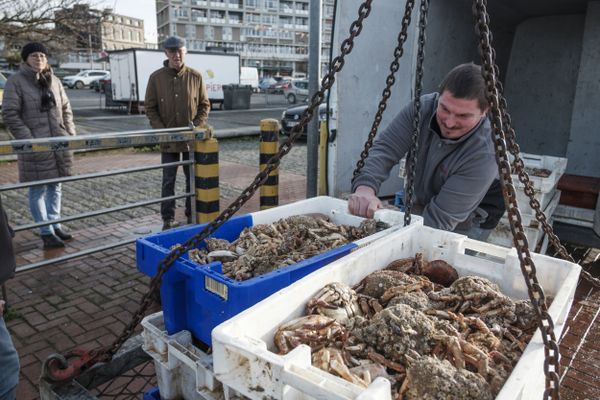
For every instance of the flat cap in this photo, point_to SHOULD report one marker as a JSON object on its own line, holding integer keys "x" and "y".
{"x": 174, "y": 42}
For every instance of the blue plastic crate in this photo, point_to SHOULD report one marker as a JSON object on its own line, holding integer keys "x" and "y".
{"x": 197, "y": 297}
{"x": 399, "y": 200}
{"x": 152, "y": 394}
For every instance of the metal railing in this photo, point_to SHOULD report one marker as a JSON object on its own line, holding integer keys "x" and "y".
{"x": 96, "y": 142}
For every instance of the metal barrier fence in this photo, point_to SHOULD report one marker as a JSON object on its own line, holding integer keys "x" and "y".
{"x": 200, "y": 137}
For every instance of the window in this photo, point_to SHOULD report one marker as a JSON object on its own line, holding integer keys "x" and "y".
{"x": 209, "y": 32}
{"x": 227, "y": 33}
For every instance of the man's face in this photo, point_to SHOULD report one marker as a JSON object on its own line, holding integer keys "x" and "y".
{"x": 456, "y": 117}
{"x": 175, "y": 57}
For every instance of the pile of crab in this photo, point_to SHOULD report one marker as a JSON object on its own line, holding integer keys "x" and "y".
{"x": 432, "y": 334}
{"x": 263, "y": 248}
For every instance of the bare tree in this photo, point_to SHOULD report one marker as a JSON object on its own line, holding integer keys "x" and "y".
{"x": 31, "y": 18}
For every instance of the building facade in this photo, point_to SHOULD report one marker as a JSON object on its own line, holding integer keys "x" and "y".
{"x": 96, "y": 31}
{"x": 271, "y": 35}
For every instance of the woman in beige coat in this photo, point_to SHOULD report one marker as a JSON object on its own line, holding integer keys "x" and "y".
{"x": 35, "y": 105}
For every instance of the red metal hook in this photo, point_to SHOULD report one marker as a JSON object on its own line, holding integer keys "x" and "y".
{"x": 59, "y": 368}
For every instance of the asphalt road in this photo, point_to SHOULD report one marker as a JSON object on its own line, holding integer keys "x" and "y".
{"x": 92, "y": 117}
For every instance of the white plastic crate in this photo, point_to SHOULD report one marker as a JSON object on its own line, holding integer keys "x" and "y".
{"x": 528, "y": 215}
{"x": 244, "y": 354}
{"x": 575, "y": 215}
{"x": 502, "y": 236}
{"x": 556, "y": 165}
{"x": 544, "y": 187}
{"x": 182, "y": 370}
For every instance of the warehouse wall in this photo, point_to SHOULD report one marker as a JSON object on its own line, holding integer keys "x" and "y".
{"x": 584, "y": 144}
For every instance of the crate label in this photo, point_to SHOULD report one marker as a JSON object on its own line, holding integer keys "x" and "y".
{"x": 215, "y": 287}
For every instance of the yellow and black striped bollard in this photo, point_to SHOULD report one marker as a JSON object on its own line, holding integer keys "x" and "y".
{"x": 206, "y": 172}
{"x": 269, "y": 146}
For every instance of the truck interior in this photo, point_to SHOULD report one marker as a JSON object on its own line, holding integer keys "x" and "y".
{"x": 548, "y": 54}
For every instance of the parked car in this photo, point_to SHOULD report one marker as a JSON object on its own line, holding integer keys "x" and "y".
{"x": 297, "y": 90}
{"x": 291, "y": 117}
{"x": 84, "y": 78}
{"x": 280, "y": 85}
{"x": 265, "y": 84}
{"x": 2, "y": 83}
{"x": 98, "y": 84}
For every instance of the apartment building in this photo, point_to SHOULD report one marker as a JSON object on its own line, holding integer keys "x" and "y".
{"x": 271, "y": 35}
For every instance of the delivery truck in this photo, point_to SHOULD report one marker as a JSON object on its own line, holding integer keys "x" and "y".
{"x": 131, "y": 68}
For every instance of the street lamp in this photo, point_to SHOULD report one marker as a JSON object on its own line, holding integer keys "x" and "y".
{"x": 258, "y": 67}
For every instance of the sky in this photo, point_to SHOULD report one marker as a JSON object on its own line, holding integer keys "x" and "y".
{"x": 144, "y": 9}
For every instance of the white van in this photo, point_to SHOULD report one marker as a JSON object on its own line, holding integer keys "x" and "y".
{"x": 249, "y": 76}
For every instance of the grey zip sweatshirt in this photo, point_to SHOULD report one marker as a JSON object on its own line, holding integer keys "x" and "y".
{"x": 451, "y": 177}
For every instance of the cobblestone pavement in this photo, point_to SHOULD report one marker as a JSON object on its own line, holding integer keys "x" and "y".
{"x": 94, "y": 194}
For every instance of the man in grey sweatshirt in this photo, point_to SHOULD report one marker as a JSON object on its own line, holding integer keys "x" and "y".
{"x": 456, "y": 186}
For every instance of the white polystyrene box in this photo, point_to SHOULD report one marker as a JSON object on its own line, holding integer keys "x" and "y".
{"x": 243, "y": 353}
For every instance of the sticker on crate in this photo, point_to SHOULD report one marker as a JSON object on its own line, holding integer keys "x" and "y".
{"x": 245, "y": 345}
{"x": 197, "y": 296}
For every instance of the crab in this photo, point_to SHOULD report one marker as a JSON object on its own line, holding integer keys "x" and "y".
{"x": 332, "y": 360}
{"x": 438, "y": 271}
{"x": 316, "y": 331}
{"x": 336, "y": 300}
{"x": 397, "y": 331}
{"x": 375, "y": 284}
{"x": 421, "y": 284}
{"x": 265, "y": 247}
{"x": 473, "y": 294}
{"x": 369, "y": 306}
{"x": 417, "y": 300}
{"x": 429, "y": 378}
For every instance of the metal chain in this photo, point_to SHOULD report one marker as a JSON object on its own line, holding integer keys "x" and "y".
{"x": 390, "y": 80}
{"x": 411, "y": 160}
{"x": 519, "y": 167}
{"x": 336, "y": 65}
{"x": 536, "y": 293}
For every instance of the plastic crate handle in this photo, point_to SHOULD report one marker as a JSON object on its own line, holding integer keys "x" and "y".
{"x": 319, "y": 384}
{"x": 483, "y": 249}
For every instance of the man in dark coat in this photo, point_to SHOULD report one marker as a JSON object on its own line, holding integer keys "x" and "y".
{"x": 175, "y": 96}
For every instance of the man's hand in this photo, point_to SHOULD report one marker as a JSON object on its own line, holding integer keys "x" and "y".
{"x": 363, "y": 202}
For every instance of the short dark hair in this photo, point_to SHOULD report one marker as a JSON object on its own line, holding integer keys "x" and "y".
{"x": 466, "y": 82}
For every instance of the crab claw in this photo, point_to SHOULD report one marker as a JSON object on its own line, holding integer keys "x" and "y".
{"x": 440, "y": 272}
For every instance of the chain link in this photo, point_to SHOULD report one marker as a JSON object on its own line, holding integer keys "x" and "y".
{"x": 411, "y": 160}
{"x": 336, "y": 65}
{"x": 390, "y": 80}
{"x": 498, "y": 115}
